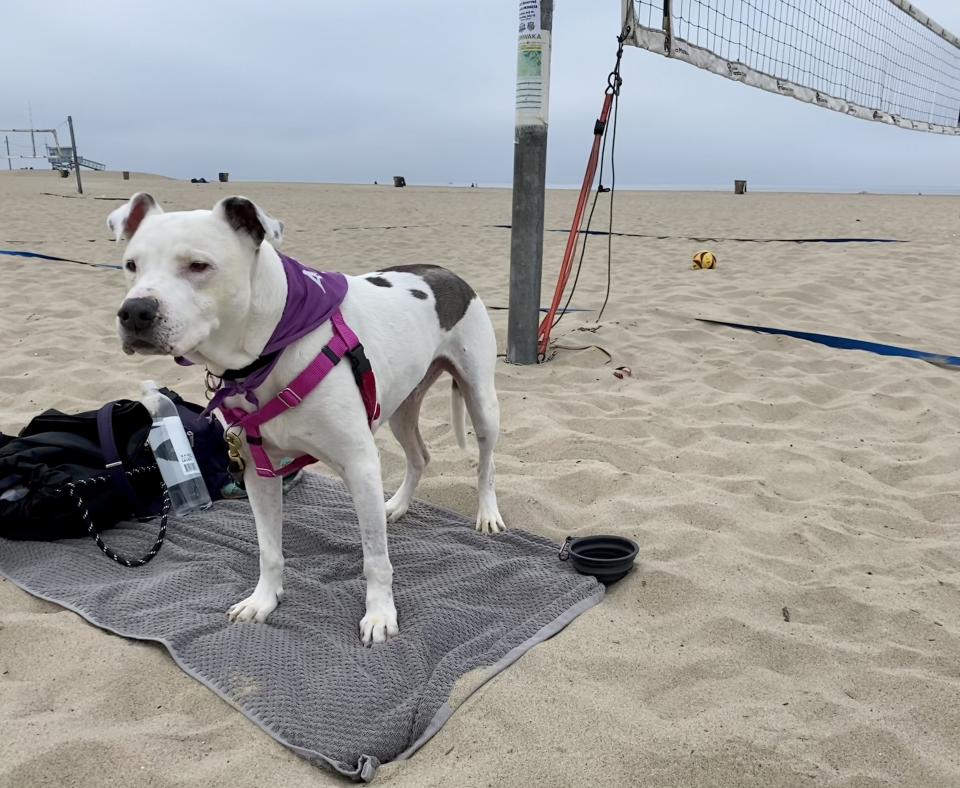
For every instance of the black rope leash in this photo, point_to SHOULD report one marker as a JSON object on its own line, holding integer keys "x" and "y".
{"x": 614, "y": 83}
{"x": 74, "y": 489}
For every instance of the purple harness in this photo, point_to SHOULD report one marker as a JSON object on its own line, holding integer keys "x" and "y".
{"x": 313, "y": 298}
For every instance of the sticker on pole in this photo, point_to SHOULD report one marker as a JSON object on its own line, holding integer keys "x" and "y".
{"x": 529, "y": 18}
{"x": 533, "y": 66}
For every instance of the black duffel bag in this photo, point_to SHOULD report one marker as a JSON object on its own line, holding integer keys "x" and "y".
{"x": 56, "y": 450}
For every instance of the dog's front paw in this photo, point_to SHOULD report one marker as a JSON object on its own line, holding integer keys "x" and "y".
{"x": 378, "y": 624}
{"x": 490, "y": 522}
{"x": 256, "y": 607}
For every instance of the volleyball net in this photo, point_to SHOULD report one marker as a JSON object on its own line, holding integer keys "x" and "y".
{"x": 880, "y": 60}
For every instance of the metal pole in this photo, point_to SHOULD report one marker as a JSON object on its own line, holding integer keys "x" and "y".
{"x": 9, "y": 160}
{"x": 76, "y": 164}
{"x": 33, "y": 142}
{"x": 668, "y": 28}
{"x": 529, "y": 179}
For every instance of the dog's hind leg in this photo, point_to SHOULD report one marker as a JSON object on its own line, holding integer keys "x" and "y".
{"x": 405, "y": 425}
{"x": 475, "y": 369}
{"x": 266, "y": 500}
{"x": 484, "y": 409}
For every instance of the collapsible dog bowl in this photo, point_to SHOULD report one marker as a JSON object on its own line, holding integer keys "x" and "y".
{"x": 607, "y": 558}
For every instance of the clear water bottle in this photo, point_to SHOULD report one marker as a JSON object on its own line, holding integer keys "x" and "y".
{"x": 173, "y": 453}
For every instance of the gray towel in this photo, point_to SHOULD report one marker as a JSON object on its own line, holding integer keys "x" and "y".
{"x": 465, "y": 601}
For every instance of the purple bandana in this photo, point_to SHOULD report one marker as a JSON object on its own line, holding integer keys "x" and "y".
{"x": 312, "y": 297}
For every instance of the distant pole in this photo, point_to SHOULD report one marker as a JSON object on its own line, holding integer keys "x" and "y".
{"x": 529, "y": 179}
{"x": 76, "y": 163}
{"x": 33, "y": 142}
{"x": 9, "y": 160}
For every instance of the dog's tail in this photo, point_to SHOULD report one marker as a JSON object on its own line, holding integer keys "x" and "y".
{"x": 458, "y": 415}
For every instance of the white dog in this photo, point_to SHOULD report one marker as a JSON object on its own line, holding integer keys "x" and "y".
{"x": 210, "y": 287}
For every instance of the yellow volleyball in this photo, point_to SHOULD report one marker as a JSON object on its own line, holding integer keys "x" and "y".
{"x": 704, "y": 260}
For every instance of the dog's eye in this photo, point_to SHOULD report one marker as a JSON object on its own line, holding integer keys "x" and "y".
{"x": 131, "y": 266}
{"x": 198, "y": 268}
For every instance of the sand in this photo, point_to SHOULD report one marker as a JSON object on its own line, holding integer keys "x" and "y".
{"x": 765, "y": 478}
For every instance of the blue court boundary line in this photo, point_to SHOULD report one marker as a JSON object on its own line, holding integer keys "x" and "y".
{"x": 542, "y": 309}
{"x": 704, "y": 239}
{"x": 844, "y": 343}
{"x": 38, "y": 256}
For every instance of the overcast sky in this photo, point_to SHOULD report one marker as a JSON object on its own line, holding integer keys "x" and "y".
{"x": 359, "y": 91}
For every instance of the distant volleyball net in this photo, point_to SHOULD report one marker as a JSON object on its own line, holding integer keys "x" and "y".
{"x": 880, "y": 60}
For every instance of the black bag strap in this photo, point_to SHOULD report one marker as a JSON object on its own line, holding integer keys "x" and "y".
{"x": 111, "y": 457}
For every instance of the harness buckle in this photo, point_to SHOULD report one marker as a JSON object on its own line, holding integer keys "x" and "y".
{"x": 289, "y": 397}
{"x": 359, "y": 361}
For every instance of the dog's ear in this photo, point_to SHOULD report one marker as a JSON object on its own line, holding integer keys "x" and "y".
{"x": 273, "y": 227}
{"x": 124, "y": 221}
{"x": 244, "y": 217}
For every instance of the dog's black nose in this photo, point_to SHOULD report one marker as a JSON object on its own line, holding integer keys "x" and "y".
{"x": 138, "y": 314}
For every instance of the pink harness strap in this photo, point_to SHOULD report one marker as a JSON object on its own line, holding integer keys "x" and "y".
{"x": 343, "y": 343}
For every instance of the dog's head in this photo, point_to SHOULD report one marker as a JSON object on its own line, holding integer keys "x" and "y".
{"x": 190, "y": 272}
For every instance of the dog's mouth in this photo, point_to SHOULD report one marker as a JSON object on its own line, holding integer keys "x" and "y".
{"x": 152, "y": 340}
{"x": 148, "y": 346}
{"x": 131, "y": 346}
{"x": 165, "y": 336}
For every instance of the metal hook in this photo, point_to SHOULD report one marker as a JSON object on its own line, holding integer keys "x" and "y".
{"x": 211, "y": 383}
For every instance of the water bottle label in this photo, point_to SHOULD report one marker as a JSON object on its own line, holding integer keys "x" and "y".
{"x": 172, "y": 450}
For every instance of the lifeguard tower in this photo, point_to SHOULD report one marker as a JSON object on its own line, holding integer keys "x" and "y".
{"x": 62, "y": 159}
{"x": 59, "y": 157}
